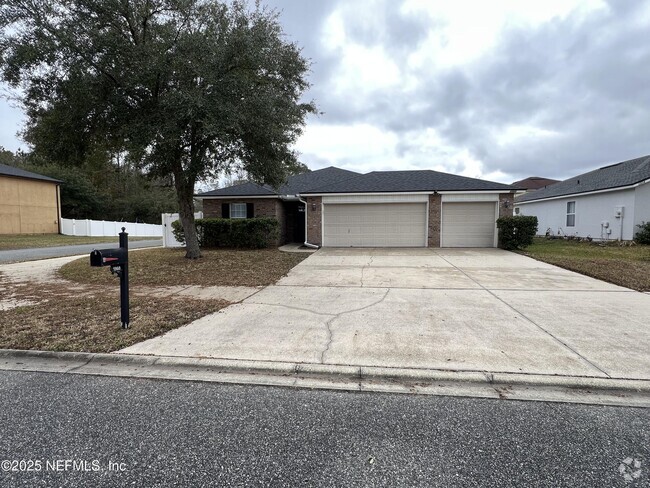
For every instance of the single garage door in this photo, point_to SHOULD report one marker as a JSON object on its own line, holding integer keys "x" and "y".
{"x": 468, "y": 224}
{"x": 375, "y": 225}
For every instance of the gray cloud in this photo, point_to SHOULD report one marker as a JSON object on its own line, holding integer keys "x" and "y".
{"x": 585, "y": 80}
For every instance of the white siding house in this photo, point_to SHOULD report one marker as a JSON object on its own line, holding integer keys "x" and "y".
{"x": 604, "y": 204}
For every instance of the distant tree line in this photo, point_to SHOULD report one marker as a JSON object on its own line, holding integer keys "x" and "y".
{"x": 102, "y": 187}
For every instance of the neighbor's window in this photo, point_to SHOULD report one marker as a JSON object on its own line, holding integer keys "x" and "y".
{"x": 237, "y": 210}
{"x": 570, "y": 214}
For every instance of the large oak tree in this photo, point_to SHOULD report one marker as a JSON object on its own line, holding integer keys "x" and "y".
{"x": 183, "y": 88}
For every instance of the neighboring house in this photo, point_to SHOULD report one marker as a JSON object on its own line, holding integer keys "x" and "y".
{"x": 607, "y": 203}
{"x": 534, "y": 183}
{"x": 29, "y": 203}
{"x": 378, "y": 209}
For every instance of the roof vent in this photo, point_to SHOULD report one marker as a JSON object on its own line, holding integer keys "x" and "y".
{"x": 578, "y": 182}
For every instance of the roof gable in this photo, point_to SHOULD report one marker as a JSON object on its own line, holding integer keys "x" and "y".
{"x": 616, "y": 175}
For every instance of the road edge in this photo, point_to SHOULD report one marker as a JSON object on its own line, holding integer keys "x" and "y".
{"x": 513, "y": 386}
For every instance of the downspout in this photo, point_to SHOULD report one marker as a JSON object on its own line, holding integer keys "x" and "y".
{"x": 306, "y": 244}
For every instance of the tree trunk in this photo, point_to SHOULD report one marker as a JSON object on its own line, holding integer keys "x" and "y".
{"x": 185, "y": 193}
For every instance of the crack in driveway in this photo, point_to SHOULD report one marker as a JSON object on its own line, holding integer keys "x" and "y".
{"x": 328, "y": 324}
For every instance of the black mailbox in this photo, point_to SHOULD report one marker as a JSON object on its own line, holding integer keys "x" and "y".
{"x": 109, "y": 257}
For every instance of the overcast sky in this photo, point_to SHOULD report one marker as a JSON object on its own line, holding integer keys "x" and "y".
{"x": 500, "y": 90}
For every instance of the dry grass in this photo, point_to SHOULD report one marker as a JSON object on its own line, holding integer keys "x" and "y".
{"x": 88, "y": 318}
{"x": 28, "y": 241}
{"x": 627, "y": 266}
{"x": 168, "y": 267}
{"x": 85, "y": 316}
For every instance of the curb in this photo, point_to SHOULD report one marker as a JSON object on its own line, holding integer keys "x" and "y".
{"x": 610, "y": 391}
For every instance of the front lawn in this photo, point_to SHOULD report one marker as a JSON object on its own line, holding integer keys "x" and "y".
{"x": 217, "y": 267}
{"x": 83, "y": 314}
{"x": 29, "y": 241}
{"x": 89, "y": 320}
{"x": 627, "y": 266}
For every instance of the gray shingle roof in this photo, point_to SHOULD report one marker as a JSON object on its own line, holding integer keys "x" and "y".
{"x": 403, "y": 181}
{"x": 21, "y": 173}
{"x": 242, "y": 189}
{"x": 294, "y": 185}
{"x": 616, "y": 175}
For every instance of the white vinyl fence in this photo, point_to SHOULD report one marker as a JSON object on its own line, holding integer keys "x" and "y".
{"x": 168, "y": 236}
{"x": 102, "y": 228}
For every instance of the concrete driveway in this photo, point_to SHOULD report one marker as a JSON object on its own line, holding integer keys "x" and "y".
{"x": 450, "y": 309}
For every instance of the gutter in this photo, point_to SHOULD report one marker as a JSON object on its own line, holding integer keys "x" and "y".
{"x": 306, "y": 244}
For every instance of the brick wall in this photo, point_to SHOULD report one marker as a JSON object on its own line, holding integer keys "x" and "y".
{"x": 264, "y": 207}
{"x": 314, "y": 221}
{"x": 503, "y": 211}
{"x": 435, "y": 204}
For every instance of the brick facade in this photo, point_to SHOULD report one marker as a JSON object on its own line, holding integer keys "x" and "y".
{"x": 435, "y": 204}
{"x": 264, "y": 207}
{"x": 503, "y": 210}
{"x": 314, "y": 220}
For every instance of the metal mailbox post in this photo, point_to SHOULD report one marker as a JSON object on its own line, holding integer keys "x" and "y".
{"x": 118, "y": 260}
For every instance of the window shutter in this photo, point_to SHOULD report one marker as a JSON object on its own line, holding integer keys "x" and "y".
{"x": 250, "y": 210}
{"x": 225, "y": 210}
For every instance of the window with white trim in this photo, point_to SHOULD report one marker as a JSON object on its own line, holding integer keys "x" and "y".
{"x": 237, "y": 210}
{"x": 570, "y": 214}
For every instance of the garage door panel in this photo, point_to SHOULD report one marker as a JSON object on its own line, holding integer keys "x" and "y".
{"x": 468, "y": 224}
{"x": 374, "y": 225}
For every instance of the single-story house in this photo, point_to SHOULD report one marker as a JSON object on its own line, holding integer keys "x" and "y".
{"x": 607, "y": 203}
{"x": 29, "y": 203}
{"x": 338, "y": 208}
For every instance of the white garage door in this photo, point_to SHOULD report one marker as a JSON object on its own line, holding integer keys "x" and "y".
{"x": 468, "y": 224}
{"x": 375, "y": 225}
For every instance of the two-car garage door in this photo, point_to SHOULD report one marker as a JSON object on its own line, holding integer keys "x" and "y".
{"x": 463, "y": 224}
{"x": 375, "y": 225}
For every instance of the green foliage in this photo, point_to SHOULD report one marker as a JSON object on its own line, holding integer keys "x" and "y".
{"x": 516, "y": 232}
{"x": 239, "y": 233}
{"x": 101, "y": 190}
{"x": 643, "y": 234}
{"x": 181, "y": 88}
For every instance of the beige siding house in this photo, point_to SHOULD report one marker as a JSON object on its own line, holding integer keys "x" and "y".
{"x": 29, "y": 203}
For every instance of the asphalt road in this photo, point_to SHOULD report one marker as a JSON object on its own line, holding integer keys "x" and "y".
{"x": 60, "y": 251}
{"x": 174, "y": 433}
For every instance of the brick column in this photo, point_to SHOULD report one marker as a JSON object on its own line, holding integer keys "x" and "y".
{"x": 435, "y": 206}
{"x": 314, "y": 220}
{"x": 503, "y": 211}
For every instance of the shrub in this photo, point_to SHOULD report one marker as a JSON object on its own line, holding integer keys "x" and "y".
{"x": 516, "y": 232}
{"x": 643, "y": 235}
{"x": 243, "y": 233}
